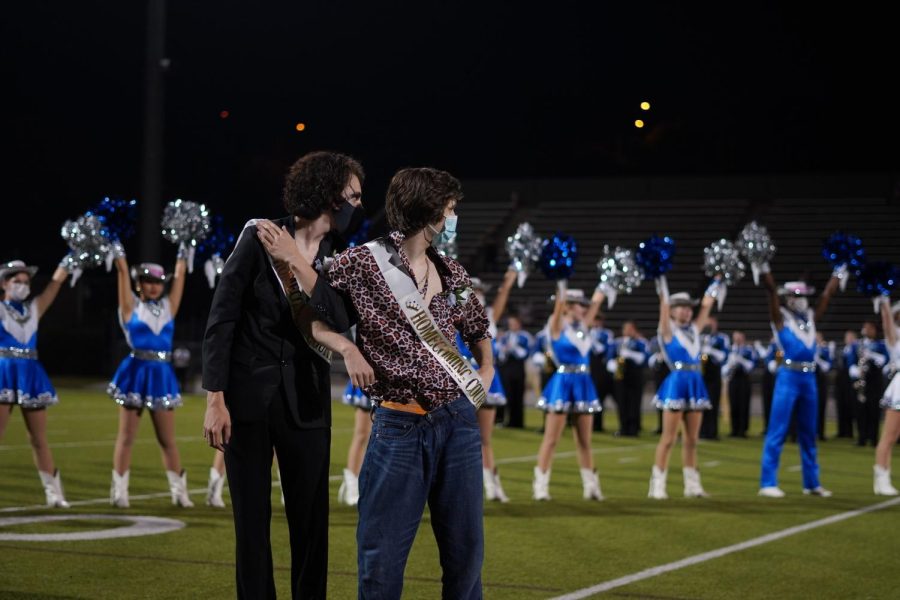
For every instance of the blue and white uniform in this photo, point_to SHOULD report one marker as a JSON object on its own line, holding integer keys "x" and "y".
{"x": 891, "y": 398}
{"x": 513, "y": 346}
{"x": 496, "y": 396}
{"x": 571, "y": 388}
{"x": 23, "y": 380}
{"x": 683, "y": 387}
{"x": 354, "y": 396}
{"x": 146, "y": 377}
{"x": 795, "y": 384}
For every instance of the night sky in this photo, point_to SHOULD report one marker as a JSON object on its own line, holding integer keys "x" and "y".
{"x": 482, "y": 89}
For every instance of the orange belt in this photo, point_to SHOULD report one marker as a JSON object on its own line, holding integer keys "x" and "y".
{"x": 410, "y": 408}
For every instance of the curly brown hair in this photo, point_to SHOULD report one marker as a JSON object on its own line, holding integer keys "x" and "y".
{"x": 417, "y": 197}
{"x": 316, "y": 181}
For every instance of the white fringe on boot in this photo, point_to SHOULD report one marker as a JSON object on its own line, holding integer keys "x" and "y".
{"x": 541, "y": 484}
{"x": 591, "y": 485}
{"x": 214, "y": 489}
{"x": 658, "y": 484}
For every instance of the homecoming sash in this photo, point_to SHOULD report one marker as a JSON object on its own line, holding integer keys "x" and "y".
{"x": 297, "y": 300}
{"x": 417, "y": 314}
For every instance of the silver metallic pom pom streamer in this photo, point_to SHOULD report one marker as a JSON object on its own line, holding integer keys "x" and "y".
{"x": 756, "y": 246}
{"x": 524, "y": 249}
{"x": 88, "y": 242}
{"x": 185, "y": 223}
{"x": 618, "y": 272}
{"x": 446, "y": 248}
{"x": 722, "y": 260}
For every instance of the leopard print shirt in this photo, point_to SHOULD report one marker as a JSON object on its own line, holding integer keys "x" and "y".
{"x": 405, "y": 371}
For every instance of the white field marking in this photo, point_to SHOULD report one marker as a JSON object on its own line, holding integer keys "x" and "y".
{"x": 139, "y": 526}
{"x": 627, "y": 459}
{"x": 794, "y": 469}
{"x": 276, "y": 483}
{"x": 720, "y": 552}
{"x": 712, "y": 463}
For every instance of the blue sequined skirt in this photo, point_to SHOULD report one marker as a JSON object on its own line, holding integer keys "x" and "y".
{"x": 353, "y": 396}
{"x": 496, "y": 396}
{"x": 570, "y": 393}
{"x": 24, "y": 381}
{"x": 145, "y": 384}
{"x": 682, "y": 390}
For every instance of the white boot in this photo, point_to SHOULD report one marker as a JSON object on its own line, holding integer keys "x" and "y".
{"x": 490, "y": 490}
{"x": 883, "y": 485}
{"x": 692, "y": 486}
{"x": 590, "y": 484}
{"x": 178, "y": 487}
{"x": 214, "y": 489}
{"x": 658, "y": 484}
{"x": 348, "y": 493}
{"x": 498, "y": 488}
{"x": 772, "y": 491}
{"x": 118, "y": 491}
{"x": 53, "y": 490}
{"x": 541, "y": 484}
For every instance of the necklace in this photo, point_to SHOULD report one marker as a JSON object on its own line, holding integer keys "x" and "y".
{"x": 424, "y": 289}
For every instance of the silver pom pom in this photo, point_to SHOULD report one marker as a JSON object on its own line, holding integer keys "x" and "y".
{"x": 618, "y": 272}
{"x": 88, "y": 241}
{"x": 756, "y": 246}
{"x": 447, "y": 249}
{"x": 721, "y": 258}
{"x": 185, "y": 221}
{"x": 524, "y": 249}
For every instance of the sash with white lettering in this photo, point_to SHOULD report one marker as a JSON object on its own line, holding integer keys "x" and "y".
{"x": 297, "y": 300}
{"x": 413, "y": 307}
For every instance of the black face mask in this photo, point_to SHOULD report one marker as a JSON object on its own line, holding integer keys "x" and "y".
{"x": 347, "y": 219}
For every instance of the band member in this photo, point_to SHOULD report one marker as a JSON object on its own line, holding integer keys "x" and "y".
{"x": 602, "y": 340}
{"x": 23, "y": 380}
{"x": 794, "y": 323}
{"x": 824, "y": 362}
{"x": 626, "y": 362}
{"x": 514, "y": 346}
{"x": 716, "y": 348}
{"x": 846, "y": 395}
{"x": 268, "y": 382}
{"x": 868, "y": 356}
{"x": 742, "y": 360}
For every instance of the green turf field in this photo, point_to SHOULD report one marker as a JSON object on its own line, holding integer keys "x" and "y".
{"x": 532, "y": 550}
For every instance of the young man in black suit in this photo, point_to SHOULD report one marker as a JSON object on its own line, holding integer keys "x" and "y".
{"x": 268, "y": 383}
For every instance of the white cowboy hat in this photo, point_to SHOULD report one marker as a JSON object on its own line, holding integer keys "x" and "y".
{"x": 16, "y": 266}
{"x": 796, "y": 288}
{"x": 682, "y": 299}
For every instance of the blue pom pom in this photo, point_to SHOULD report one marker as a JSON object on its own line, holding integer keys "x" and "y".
{"x": 558, "y": 255}
{"x": 654, "y": 256}
{"x": 219, "y": 241}
{"x": 361, "y": 236}
{"x": 117, "y": 216}
{"x": 877, "y": 278}
{"x": 844, "y": 249}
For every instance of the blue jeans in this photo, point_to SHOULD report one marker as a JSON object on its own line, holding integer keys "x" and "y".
{"x": 792, "y": 387}
{"x": 413, "y": 459}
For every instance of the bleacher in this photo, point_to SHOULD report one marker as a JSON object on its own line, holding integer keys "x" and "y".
{"x": 694, "y": 213}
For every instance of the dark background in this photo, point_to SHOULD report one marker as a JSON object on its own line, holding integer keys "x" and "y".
{"x": 485, "y": 90}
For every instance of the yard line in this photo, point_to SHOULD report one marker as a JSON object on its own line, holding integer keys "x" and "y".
{"x": 724, "y": 551}
{"x": 275, "y": 483}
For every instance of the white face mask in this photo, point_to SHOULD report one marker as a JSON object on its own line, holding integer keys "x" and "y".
{"x": 18, "y": 292}
{"x": 798, "y": 304}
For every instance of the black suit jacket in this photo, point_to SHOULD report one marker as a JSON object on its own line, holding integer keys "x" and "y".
{"x": 252, "y": 350}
